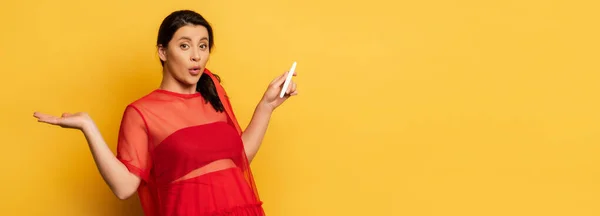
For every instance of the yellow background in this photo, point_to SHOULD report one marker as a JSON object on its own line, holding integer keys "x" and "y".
{"x": 405, "y": 108}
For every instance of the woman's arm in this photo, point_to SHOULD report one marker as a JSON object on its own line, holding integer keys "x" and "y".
{"x": 255, "y": 132}
{"x": 122, "y": 182}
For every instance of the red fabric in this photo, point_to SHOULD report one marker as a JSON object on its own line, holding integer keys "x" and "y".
{"x": 190, "y": 158}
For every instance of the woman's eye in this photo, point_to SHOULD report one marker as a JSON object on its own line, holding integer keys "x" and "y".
{"x": 184, "y": 46}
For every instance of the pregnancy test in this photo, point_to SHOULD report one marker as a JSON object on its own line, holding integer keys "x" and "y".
{"x": 288, "y": 79}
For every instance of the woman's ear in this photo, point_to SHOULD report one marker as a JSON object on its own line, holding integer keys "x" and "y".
{"x": 162, "y": 53}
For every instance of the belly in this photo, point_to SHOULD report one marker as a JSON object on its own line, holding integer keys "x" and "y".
{"x": 223, "y": 190}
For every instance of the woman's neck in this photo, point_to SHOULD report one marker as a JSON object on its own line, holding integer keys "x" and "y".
{"x": 171, "y": 84}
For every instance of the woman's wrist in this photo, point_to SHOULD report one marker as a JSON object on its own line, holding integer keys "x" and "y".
{"x": 264, "y": 107}
{"x": 88, "y": 126}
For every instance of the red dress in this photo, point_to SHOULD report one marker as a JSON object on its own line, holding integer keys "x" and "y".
{"x": 189, "y": 156}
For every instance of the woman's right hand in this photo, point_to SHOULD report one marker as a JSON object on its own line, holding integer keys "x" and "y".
{"x": 67, "y": 120}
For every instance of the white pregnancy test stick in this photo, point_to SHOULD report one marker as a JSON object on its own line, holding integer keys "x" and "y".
{"x": 287, "y": 80}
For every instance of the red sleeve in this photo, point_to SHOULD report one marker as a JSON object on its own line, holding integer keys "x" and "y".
{"x": 132, "y": 145}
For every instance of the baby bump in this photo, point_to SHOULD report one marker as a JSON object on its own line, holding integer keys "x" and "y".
{"x": 217, "y": 191}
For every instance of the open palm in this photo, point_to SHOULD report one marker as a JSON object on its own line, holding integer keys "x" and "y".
{"x": 66, "y": 120}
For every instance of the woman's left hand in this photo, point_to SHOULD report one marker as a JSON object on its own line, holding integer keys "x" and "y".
{"x": 271, "y": 97}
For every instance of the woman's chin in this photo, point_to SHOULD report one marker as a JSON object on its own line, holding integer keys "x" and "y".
{"x": 191, "y": 81}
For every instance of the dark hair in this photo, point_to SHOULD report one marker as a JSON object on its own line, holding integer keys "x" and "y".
{"x": 167, "y": 29}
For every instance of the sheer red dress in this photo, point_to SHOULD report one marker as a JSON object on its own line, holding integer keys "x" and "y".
{"x": 189, "y": 156}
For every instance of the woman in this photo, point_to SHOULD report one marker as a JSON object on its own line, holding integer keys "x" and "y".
{"x": 180, "y": 146}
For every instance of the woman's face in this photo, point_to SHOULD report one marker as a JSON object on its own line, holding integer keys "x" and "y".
{"x": 186, "y": 54}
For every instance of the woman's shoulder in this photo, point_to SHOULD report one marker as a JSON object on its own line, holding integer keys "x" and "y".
{"x": 149, "y": 99}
